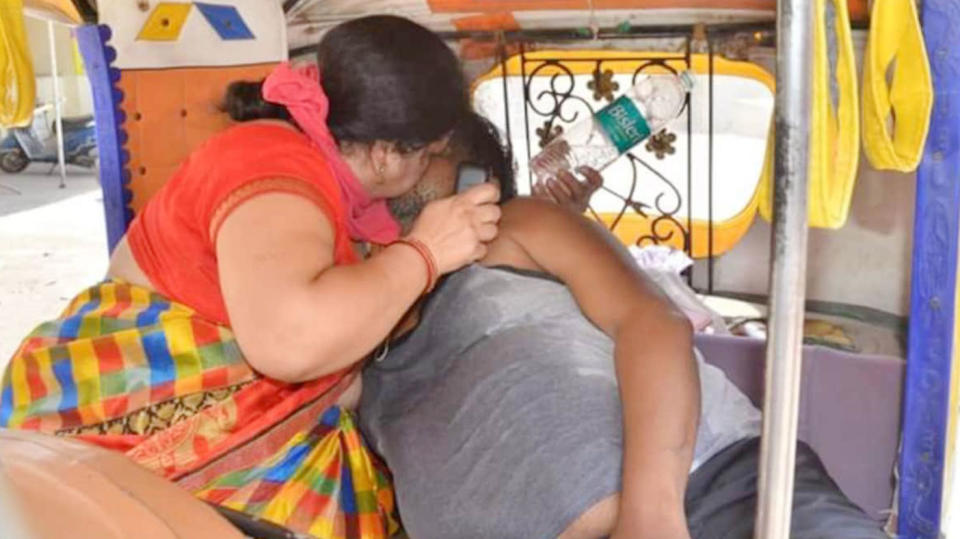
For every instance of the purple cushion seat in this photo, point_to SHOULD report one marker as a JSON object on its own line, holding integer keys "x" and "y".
{"x": 849, "y": 410}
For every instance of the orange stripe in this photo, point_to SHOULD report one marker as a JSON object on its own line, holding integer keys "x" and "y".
{"x": 487, "y": 21}
{"x": 487, "y": 6}
{"x": 108, "y": 354}
{"x": 38, "y": 389}
{"x": 760, "y": 5}
{"x": 857, "y": 8}
{"x": 471, "y": 49}
{"x": 121, "y": 294}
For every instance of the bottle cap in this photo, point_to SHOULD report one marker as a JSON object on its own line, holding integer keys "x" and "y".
{"x": 686, "y": 79}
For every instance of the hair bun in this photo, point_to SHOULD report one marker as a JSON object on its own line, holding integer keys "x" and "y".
{"x": 244, "y": 101}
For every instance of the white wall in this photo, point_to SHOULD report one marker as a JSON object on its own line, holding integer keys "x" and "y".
{"x": 38, "y": 44}
{"x": 74, "y": 90}
{"x": 867, "y": 262}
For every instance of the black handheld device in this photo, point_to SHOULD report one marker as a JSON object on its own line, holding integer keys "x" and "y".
{"x": 470, "y": 174}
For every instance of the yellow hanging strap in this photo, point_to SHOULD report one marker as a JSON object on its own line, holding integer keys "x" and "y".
{"x": 17, "y": 84}
{"x": 895, "y": 38}
{"x": 834, "y": 127}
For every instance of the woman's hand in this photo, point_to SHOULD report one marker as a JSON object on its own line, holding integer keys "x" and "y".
{"x": 568, "y": 191}
{"x": 457, "y": 229}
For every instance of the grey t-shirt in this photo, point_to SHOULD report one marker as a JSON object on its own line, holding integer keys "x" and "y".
{"x": 501, "y": 414}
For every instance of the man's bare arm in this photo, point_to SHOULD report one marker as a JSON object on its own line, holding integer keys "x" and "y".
{"x": 656, "y": 370}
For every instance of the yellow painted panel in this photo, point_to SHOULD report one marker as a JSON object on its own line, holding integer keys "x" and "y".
{"x": 165, "y": 22}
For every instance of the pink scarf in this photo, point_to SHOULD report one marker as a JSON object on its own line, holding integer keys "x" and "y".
{"x": 300, "y": 91}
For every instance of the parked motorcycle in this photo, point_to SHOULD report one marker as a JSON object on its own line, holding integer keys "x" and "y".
{"x": 37, "y": 143}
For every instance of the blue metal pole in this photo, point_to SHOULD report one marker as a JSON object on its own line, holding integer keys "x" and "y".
{"x": 933, "y": 285}
{"x": 111, "y": 138}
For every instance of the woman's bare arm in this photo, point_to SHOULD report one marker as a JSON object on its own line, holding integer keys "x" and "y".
{"x": 655, "y": 365}
{"x": 296, "y": 315}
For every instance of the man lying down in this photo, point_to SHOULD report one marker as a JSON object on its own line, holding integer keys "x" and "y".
{"x": 551, "y": 391}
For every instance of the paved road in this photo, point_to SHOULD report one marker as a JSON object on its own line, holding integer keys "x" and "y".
{"x": 52, "y": 245}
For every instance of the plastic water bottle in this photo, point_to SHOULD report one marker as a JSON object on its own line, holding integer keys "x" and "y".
{"x": 611, "y": 132}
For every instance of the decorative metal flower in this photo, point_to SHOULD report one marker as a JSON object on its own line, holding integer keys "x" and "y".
{"x": 548, "y": 132}
{"x": 661, "y": 144}
{"x": 603, "y": 85}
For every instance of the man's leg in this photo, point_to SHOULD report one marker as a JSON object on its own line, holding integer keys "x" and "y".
{"x": 722, "y": 499}
{"x": 820, "y": 509}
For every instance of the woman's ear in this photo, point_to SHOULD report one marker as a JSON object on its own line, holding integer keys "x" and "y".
{"x": 380, "y": 157}
{"x": 440, "y": 147}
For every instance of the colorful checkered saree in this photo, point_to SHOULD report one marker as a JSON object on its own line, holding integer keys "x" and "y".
{"x": 129, "y": 370}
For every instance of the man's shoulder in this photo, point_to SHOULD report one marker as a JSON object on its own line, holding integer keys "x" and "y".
{"x": 525, "y": 208}
{"x": 529, "y": 215}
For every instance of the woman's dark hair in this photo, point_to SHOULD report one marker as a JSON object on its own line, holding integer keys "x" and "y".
{"x": 387, "y": 78}
{"x": 477, "y": 140}
{"x": 244, "y": 102}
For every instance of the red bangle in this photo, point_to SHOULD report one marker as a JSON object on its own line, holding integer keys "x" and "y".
{"x": 433, "y": 271}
